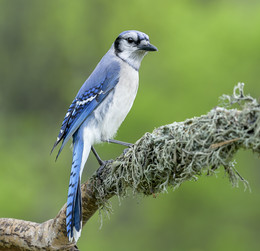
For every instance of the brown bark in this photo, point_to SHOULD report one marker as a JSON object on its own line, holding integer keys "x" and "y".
{"x": 50, "y": 235}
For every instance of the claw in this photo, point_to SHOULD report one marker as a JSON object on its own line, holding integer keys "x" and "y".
{"x": 125, "y": 151}
{"x": 101, "y": 168}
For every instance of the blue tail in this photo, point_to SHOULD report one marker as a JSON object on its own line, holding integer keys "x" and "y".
{"x": 74, "y": 210}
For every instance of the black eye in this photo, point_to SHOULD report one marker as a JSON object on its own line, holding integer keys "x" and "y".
{"x": 130, "y": 40}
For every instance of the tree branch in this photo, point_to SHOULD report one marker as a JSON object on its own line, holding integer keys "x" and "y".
{"x": 168, "y": 156}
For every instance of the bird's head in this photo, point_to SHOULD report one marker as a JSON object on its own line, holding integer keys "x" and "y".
{"x": 131, "y": 46}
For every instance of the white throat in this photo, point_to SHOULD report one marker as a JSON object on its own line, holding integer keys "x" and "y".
{"x": 133, "y": 58}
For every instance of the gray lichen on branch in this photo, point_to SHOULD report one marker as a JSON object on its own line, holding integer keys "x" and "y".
{"x": 169, "y": 156}
{"x": 182, "y": 151}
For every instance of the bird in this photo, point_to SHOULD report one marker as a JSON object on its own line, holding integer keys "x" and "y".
{"x": 99, "y": 108}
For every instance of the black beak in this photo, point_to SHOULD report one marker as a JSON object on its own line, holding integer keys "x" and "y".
{"x": 147, "y": 47}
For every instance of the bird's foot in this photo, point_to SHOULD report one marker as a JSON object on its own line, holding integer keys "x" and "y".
{"x": 101, "y": 168}
{"x": 125, "y": 151}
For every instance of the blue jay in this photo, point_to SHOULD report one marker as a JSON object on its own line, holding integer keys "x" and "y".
{"x": 98, "y": 110}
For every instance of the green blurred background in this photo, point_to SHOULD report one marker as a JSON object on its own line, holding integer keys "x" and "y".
{"x": 48, "y": 49}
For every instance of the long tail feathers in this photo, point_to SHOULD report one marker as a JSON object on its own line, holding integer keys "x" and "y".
{"x": 74, "y": 210}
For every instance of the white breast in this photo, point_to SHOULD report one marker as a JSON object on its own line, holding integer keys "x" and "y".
{"x": 113, "y": 110}
{"x": 122, "y": 101}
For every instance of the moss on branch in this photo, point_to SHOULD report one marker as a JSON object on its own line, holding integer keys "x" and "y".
{"x": 169, "y": 156}
{"x": 181, "y": 151}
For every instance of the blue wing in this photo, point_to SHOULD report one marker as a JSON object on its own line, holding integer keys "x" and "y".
{"x": 89, "y": 97}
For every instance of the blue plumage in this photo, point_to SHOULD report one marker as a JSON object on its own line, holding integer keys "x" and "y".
{"x": 83, "y": 104}
{"x": 87, "y": 99}
{"x": 73, "y": 212}
{"x": 98, "y": 110}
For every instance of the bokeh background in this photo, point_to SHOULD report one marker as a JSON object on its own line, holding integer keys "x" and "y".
{"x": 47, "y": 50}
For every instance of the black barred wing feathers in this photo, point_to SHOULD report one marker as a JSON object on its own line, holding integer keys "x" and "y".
{"x": 75, "y": 110}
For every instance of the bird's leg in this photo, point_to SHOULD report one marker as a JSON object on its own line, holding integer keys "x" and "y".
{"x": 119, "y": 142}
{"x": 103, "y": 163}
{"x": 100, "y": 161}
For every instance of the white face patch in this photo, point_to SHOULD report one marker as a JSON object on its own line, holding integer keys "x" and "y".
{"x": 128, "y": 47}
{"x": 133, "y": 57}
